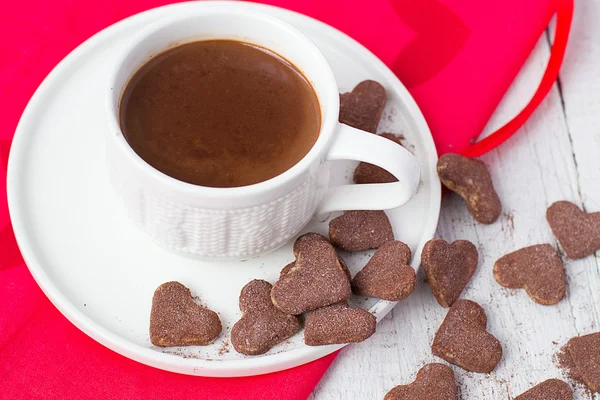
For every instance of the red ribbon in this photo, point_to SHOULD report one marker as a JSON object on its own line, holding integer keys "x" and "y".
{"x": 564, "y": 16}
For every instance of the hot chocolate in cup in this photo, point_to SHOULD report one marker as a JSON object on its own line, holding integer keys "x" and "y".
{"x": 246, "y": 220}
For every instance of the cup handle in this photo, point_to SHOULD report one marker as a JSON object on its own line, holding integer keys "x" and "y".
{"x": 353, "y": 144}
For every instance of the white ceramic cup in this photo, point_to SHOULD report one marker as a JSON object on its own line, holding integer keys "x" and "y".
{"x": 241, "y": 222}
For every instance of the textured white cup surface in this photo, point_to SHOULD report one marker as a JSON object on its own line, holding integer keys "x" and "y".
{"x": 243, "y": 221}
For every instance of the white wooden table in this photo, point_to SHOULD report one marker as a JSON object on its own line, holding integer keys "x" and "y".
{"x": 555, "y": 156}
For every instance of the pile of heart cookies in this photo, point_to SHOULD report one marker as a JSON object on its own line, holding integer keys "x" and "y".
{"x": 313, "y": 290}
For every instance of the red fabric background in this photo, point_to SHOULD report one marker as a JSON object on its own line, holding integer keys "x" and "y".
{"x": 457, "y": 57}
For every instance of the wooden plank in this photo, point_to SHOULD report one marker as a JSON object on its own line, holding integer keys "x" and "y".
{"x": 580, "y": 84}
{"x": 546, "y": 161}
{"x": 580, "y": 87}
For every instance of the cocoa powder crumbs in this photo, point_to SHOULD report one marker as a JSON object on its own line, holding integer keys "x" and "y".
{"x": 224, "y": 349}
{"x": 462, "y": 339}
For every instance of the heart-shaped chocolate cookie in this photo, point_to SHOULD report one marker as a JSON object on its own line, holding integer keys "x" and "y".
{"x": 369, "y": 173}
{"x": 462, "y": 339}
{"x": 577, "y": 232}
{"x": 337, "y": 324}
{"x": 471, "y": 179}
{"x": 360, "y": 230}
{"x": 448, "y": 268}
{"x": 303, "y": 242}
{"x": 362, "y": 108}
{"x": 176, "y": 320}
{"x": 434, "y": 382}
{"x": 387, "y": 275}
{"x": 581, "y": 360}
{"x": 316, "y": 279}
{"x": 552, "y": 389}
{"x": 262, "y": 326}
{"x": 537, "y": 269}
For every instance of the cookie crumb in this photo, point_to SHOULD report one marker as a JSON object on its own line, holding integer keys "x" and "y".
{"x": 551, "y": 389}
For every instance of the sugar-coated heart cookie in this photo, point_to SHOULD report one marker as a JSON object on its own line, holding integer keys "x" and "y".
{"x": 448, "y": 268}
{"x": 581, "y": 359}
{"x": 387, "y": 275}
{"x": 369, "y": 173}
{"x": 434, "y": 382}
{"x": 305, "y": 240}
{"x": 337, "y": 324}
{"x": 316, "y": 279}
{"x": 537, "y": 269}
{"x": 462, "y": 339}
{"x": 362, "y": 108}
{"x": 262, "y": 326}
{"x": 360, "y": 230}
{"x": 471, "y": 179}
{"x": 577, "y": 232}
{"x": 291, "y": 265}
{"x": 176, "y": 320}
{"x": 552, "y": 389}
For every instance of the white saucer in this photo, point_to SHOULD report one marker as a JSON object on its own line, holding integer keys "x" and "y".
{"x": 101, "y": 272}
